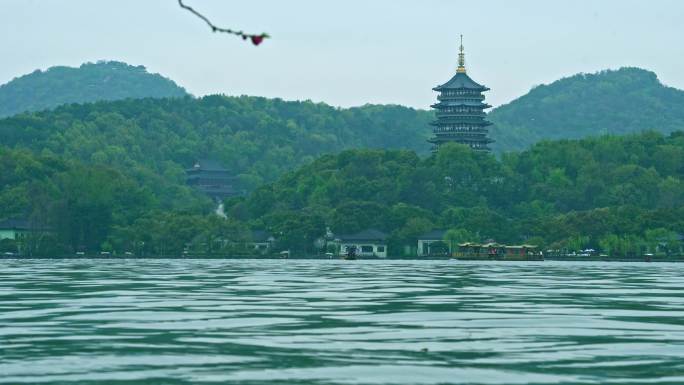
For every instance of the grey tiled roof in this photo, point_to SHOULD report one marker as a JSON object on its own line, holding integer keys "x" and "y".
{"x": 365, "y": 235}
{"x": 209, "y": 165}
{"x": 458, "y": 103}
{"x": 461, "y": 80}
{"x": 14, "y": 224}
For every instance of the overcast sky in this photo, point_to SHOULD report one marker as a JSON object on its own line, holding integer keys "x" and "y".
{"x": 348, "y": 52}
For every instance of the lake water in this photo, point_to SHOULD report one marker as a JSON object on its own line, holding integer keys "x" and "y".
{"x": 346, "y": 322}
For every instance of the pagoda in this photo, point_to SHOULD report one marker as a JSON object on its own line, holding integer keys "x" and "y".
{"x": 460, "y": 111}
{"x": 211, "y": 178}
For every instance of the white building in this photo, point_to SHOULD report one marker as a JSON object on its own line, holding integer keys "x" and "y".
{"x": 368, "y": 243}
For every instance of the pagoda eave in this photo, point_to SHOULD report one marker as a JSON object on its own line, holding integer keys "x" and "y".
{"x": 442, "y": 139}
{"x": 463, "y": 115}
{"x": 481, "y": 123}
{"x": 465, "y": 104}
{"x": 444, "y": 88}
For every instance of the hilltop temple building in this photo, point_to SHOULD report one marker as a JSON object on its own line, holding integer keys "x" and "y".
{"x": 212, "y": 179}
{"x": 460, "y": 111}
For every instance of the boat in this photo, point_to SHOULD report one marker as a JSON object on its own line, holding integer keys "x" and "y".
{"x": 350, "y": 254}
{"x": 497, "y": 252}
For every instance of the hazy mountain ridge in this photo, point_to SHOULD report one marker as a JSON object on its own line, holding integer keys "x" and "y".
{"x": 104, "y": 80}
{"x": 622, "y": 101}
{"x": 257, "y": 138}
{"x": 615, "y": 102}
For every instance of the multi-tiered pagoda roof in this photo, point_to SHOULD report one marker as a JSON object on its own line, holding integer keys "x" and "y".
{"x": 212, "y": 179}
{"x": 460, "y": 111}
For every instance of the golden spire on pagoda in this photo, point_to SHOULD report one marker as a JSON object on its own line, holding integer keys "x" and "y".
{"x": 461, "y": 59}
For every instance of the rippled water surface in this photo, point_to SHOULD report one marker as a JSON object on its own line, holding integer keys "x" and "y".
{"x": 348, "y": 322}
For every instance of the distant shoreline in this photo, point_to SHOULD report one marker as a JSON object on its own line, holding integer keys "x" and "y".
{"x": 432, "y": 258}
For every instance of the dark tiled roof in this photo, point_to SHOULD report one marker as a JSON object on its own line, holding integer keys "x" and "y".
{"x": 199, "y": 176}
{"x": 209, "y": 165}
{"x": 15, "y": 224}
{"x": 365, "y": 235}
{"x": 455, "y": 119}
{"x": 458, "y": 103}
{"x": 461, "y": 80}
{"x": 225, "y": 189}
{"x": 433, "y": 235}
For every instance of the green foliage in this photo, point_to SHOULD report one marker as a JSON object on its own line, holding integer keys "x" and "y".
{"x": 628, "y": 245}
{"x": 618, "y": 102}
{"x": 296, "y": 231}
{"x": 80, "y": 203}
{"x": 72, "y": 206}
{"x": 110, "y": 175}
{"x": 154, "y": 140}
{"x": 455, "y": 236}
{"x": 104, "y": 80}
{"x": 175, "y": 234}
{"x": 607, "y": 191}
{"x": 354, "y": 216}
{"x": 411, "y": 230}
{"x": 565, "y": 194}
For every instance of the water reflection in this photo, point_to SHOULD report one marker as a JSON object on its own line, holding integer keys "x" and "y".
{"x": 313, "y": 322}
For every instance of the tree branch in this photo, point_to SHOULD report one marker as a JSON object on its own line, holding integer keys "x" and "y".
{"x": 255, "y": 38}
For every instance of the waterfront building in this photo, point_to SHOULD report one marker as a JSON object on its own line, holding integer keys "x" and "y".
{"x": 367, "y": 243}
{"x": 14, "y": 228}
{"x": 262, "y": 241}
{"x": 20, "y": 227}
{"x": 432, "y": 243}
{"x": 460, "y": 111}
{"x": 212, "y": 179}
{"x": 19, "y": 234}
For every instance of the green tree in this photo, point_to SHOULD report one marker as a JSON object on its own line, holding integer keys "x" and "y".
{"x": 453, "y": 237}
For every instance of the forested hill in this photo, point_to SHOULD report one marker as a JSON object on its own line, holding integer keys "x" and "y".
{"x": 619, "y": 194}
{"x": 104, "y": 80}
{"x": 620, "y": 101}
{"x": 614, "y": 102}
{"x": 257, "y": 138}
{"x": 613, "y": 193}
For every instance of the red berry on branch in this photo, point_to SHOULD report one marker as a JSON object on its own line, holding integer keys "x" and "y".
{"x": 256, "y": 40}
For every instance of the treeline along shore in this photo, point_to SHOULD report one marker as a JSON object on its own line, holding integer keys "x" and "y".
{"x": 619, "y": 196}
